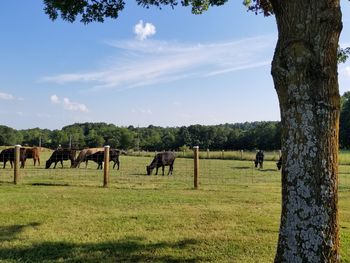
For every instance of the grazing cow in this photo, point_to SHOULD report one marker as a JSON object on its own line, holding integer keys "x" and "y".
{"x": 60, "y": 156}
{"x": 161, "y": 160}
{"x": 31, "y": 153}
{"x": 9, "y": 155}
{"x": 99, "y": 156}
{"x": 259, "y": 159}
{"x": 279, "y": 163}
{"x": 84, "y": 154}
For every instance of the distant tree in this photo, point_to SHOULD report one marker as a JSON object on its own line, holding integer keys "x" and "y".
{"x": 9, "y": 136}
{"x": 344, "y": 134}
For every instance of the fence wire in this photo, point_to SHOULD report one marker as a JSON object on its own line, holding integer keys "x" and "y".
{"x": 214, "y": 174}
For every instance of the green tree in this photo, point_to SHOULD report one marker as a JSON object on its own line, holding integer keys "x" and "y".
{"x": 304, "y": 70}
{"x": 344, "y": 131}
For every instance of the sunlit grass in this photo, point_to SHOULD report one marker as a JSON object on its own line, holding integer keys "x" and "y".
{"x": 65, "y": 215}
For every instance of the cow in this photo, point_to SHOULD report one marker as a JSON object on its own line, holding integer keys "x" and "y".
{"x": 9, "y": 155}
{"x": 279, "y": 163}
{"x": 259, "y": 159}
{"x": 60, "y": 156}
{"x": 161, "y": 160}
{"x": 83, "y": 154}
{"x": 98, "y": 157}
{"x": 31, "y": 153}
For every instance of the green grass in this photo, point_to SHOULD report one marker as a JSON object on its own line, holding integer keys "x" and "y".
{"x": 65, "y": 215}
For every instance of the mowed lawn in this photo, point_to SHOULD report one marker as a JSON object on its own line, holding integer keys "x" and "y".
{"x": 64, "y": 215}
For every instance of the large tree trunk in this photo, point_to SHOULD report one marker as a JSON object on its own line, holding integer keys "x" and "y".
{"x": 304, "y": 70}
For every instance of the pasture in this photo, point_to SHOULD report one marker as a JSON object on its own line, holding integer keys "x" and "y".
{"x": 64, "y": 215}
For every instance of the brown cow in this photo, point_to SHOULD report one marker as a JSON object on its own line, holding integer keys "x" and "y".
{"x": 83, "y": 154}
{"x": 31, "y": 153}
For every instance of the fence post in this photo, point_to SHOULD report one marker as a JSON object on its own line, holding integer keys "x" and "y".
{"x": 196, "y": 166}
{"x": 106, "y": 166}
{"x": 16, "y": 165}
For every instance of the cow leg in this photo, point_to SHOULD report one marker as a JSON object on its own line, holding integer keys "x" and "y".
{"x": 55, "y": 165}
{"x": 157, "y": 170}
{"x": 86, "y": 162}
{"x": 61, "y": 163}
{"x": 117, "y": 162}
{"x": 163, "y": 170}
{"x": 38, "y": 161}
{"x": 170, "y": 169}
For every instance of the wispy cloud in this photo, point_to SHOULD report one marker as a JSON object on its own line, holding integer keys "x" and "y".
{"x": 6, "y": 96}
{"x": 143, "y": 31}
{"x": 68, "y": 105}
{"x": 142, "y": 111}
{"x": 149, "y": 62}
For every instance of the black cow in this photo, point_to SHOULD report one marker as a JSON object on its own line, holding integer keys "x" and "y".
{"x": 279, "y": 163}
{"x": 259, "y": 159}
{"x": 61, "y": 155}
{"x": 99, "y": 156}
{"x": 9, "y": 155}
{"x": 161, "y": 160}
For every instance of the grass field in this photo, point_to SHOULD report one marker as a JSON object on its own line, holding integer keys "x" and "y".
{"x": 64, "y": 215}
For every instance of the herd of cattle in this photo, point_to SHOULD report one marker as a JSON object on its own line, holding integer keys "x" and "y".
{"x": 85, "y": 155}
{"x": 97, "y": 155}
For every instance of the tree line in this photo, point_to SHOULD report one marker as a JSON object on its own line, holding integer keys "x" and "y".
{"x": 248, "y": 136}
{"x": 264, "y": 135}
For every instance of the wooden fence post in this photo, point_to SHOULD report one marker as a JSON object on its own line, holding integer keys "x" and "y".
{"x": 16, "y": 165}
{"x": 196, "y": 166}
{"x": 106, "y": 166}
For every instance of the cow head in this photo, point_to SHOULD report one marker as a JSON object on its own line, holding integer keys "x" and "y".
{"x": 48, "y": 164}
{"x": 149, "y": 170}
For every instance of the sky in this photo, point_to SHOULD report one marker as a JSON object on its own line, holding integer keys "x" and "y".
{"x": 149, "y": 67}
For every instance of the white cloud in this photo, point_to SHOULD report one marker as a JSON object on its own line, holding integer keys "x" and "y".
{"x": 54, "y": 99}
{"x": 74, "y": 106}
{"x": 152, "y": 62}
{"x": 69, "y": 105}
{"x": 143, "y": 31}
{"x": 6, "y": 96}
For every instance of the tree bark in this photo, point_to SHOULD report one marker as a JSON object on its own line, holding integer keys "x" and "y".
{"x": 304, "y": 71}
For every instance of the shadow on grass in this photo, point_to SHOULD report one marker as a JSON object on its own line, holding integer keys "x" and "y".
{"x": 241, "y": 167}
{"x": 8, "y": 233}
{"x": 50, "y": 184}
{"x": 127, "y": 250}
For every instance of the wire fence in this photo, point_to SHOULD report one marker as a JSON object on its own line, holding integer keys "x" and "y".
{"x": 214, "y": 174}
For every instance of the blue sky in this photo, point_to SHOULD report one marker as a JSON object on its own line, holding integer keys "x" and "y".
{"x": 161, "y": 67}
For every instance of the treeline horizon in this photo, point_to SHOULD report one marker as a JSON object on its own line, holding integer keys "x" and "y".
{"x": 264, "y": 135}
{"x": 238, "y": 136}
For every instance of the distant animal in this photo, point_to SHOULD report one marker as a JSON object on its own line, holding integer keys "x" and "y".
{"x": 82, "y": 157}
{"x": 60, "y": 156}
{"x": 9, "y": 155}
{"x": 279, "y": 163}
{"x": 31, "y": 153}
{"x": 259, "y": 159}
{"x": 161, "y": 160}
{"x": 98, "y": 157}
